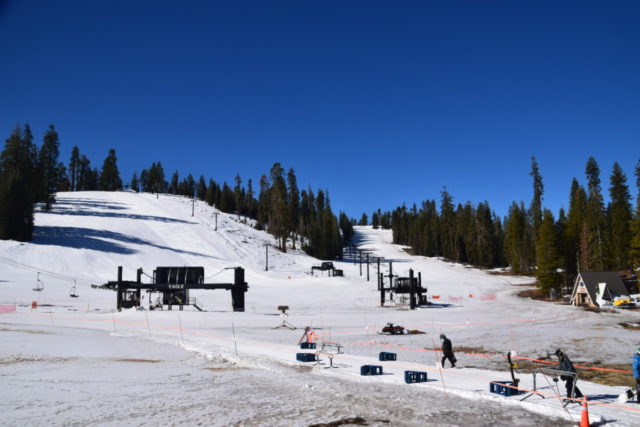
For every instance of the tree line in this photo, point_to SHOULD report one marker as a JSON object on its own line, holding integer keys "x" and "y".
{"x": 31, "y": 175}
{"x": 590, "y": 236}
{"x": 294, "y": 217}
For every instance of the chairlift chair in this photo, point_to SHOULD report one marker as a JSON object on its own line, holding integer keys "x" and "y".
{"x": 73, "y": 292}
{"x": 39, "y": 284}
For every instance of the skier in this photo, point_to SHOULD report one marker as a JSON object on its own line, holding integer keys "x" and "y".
{"x": 567, "y": 366}
{"x": 447, "y": 351}
{"x": 636, "y": 372}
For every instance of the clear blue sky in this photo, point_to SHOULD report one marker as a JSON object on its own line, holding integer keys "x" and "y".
{"x": 381, "y": 103}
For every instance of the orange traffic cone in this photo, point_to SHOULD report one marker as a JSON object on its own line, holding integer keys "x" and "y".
{"x": 584, "y": 421}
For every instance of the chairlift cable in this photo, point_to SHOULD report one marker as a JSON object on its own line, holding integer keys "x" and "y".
{"x": 38, "y": 270}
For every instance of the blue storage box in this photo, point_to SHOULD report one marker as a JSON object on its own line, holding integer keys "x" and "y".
{"x": 500, "y": 387}
{"x": 371, "y": 370}
{"x": 387, "y": 356}
{"x": 307, "y": 345}
{"x": 415, "y": 377}
{"x": 306, "y": 357}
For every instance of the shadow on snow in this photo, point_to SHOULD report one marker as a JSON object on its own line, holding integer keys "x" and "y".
{"x": 97, "y": 240}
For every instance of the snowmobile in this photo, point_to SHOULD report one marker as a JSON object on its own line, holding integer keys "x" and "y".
{"x": 392, "y": 329}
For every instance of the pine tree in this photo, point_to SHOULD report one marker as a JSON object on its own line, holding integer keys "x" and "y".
{"x": 157, "y": 184}
{"x": 237, "y": 194}
{"x": 110, "y": 176}
{"x": 535, "y": 210}
{"x": 74, "y": 168}
{"x": 278, "y": 209}
{"x": 227, "y": 201}
{"x": 448, "y": 226}
{"x": 576, "y": 221}
{"x": 48, "y": 162}
{"x": 187, "y": 187}
{"x": 84, "y": 176}
{"x": 263, "y": 201}
{"x": 634, "y": 245}
{"x": 252, "y": 207}
{"x": 175, "y": 180}
{"x": 595, "y": 230}
{"x": 345, "y": 226}
{"x": 619, "y": 213}
{"x": 18, "y": 163}
{"x": 63, "y": 179}
{"x": 293, "y": 199}
{"x": 364, "y": 219}
{"x": 210, "y": 197}
{"x": 516, "y": 239}
{"x": 548, "y": 259}
{"x": 135, "y": 184}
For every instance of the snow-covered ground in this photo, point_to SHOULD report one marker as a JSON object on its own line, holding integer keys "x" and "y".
{"x": 78, "y": 361}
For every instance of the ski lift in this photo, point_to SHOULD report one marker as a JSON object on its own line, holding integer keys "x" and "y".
{"x": 73, "y": 292}
{"x": 39, "y": 284}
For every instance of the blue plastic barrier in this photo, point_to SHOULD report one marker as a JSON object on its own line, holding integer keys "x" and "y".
{"x": 415, "y": 377}
{"x": 387, "y": 356}
{"x": 371, "y": 370}
{"x": 307, "y": 345}
{"x": 306, "y": 357}
{"x": 500, "y": 387}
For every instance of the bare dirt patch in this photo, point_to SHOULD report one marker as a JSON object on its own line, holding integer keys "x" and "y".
{"x": 473, "y": 350}
{"x": 26, "y": 331}
{"x": 138, "y": 360}
{"x": 608, "y": 377}
{"x": 31, "y": 359}
{"x": 634, "y": 326}
{"x": 221, "y": 369}
{"x": 358, "y": 421}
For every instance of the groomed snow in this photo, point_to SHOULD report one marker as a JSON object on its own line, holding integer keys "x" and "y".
{"x": 77, "y": 361}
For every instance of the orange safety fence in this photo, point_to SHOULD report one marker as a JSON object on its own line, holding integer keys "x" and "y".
{"x": 280, "y": 347}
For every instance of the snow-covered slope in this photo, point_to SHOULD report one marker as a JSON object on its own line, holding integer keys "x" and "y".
{"x": 89, "y": 234}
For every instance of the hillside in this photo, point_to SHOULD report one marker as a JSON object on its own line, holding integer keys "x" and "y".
{"x": 73, "y": 354}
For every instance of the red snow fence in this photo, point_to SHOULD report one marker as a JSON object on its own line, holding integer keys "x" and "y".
{"x": 7, "y": 308}
{"x": 455, "y": 298}
{"x": 487, "y": 297}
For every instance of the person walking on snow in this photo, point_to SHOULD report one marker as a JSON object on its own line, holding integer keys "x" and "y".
{"x": 567, "y": 366}
{"x": 447, "y": 351}
{"x": 636, "y": 372}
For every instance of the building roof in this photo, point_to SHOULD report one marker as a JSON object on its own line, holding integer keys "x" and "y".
{"x": 611, "y": 278}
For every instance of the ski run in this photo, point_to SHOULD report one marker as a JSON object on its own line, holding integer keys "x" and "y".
{"x": 75, "y": 360}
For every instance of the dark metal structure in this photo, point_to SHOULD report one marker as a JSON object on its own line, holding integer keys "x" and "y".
{"x": 174, "y": 283}
{"x": 402, "y": 285}
{"x": 327, "y": 266}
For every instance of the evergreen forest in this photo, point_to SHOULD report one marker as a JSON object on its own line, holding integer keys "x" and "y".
{"x": 31, "y": 176}
{"x": 590, "y": 236}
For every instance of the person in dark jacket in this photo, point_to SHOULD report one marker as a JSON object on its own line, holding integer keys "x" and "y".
{"x": 567, "y": 366}
{"x": 447, "y": 351}
{"x": 636, "y": 372}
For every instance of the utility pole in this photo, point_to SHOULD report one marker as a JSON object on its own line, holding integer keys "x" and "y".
{"x": 267, "y": 257}
{"x": 216, "y": 215}
{"x": 193, "y": 204}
